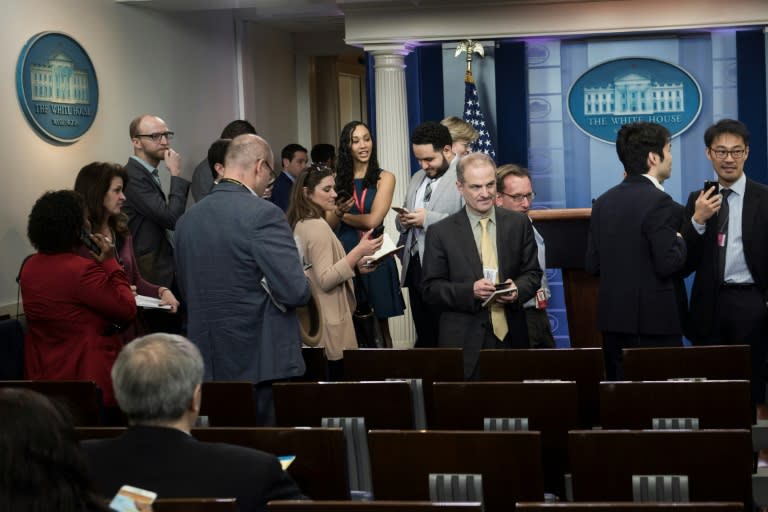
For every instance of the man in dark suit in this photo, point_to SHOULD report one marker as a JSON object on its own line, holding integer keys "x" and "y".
{"x": 204, "y": 176}
{"x": 467, "y": 255}
{"x": 636, "y": 249}
{"x": 241, "y": 278}
{"x": 728, "y": 249}
{"x": 157, "y": 382}
{"x": 294, "y": 158}
{"x": 151, "y": 216}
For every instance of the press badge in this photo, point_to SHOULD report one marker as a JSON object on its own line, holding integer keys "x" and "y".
{"x": 721, "y": 239}
{"x": 541, "y": 299}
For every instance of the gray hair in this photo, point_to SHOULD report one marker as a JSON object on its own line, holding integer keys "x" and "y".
{"x": 473, "y": 160}
{"x": 155, "y": 377}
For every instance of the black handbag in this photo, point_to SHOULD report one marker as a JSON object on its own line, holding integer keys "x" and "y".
{"x": 367, "y": 328}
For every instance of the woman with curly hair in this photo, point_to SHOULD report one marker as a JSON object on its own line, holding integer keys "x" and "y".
{"x": 101, "y": 185}
{"x": 73, "y": 303}
{"x": 369, "y": 190}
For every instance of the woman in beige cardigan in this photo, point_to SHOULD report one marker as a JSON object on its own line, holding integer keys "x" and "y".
{"x": 332, "y": 269}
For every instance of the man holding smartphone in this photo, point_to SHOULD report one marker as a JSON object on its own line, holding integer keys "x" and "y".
{"x": 480, "y": 266}
{"x": 725, "y": 229}
{"x": 636, "y": 249}
{"x": 431, "y": 196}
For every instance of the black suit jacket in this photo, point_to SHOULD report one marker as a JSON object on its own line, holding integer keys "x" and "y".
{"x": 281, "y": 191}
{"x": 452, "y": 265}
{"x": 702, "y": 256}
{"x": 149, "y": 215}
{"x": 633, "y": 246}
{"x": 176, "y": 465}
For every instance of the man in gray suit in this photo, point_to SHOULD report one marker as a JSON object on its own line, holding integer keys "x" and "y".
{"x": 431, "y": 196}
{"x": 240, "y": 276}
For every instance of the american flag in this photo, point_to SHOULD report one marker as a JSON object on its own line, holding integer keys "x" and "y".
{"x": 473, "y": 114}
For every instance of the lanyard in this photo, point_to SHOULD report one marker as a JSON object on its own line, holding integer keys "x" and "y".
{"x": 361, "y": 202}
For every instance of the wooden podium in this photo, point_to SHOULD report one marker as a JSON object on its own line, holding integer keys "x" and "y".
{"x": 565, "y": 235}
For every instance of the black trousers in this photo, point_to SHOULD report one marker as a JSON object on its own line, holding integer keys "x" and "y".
{"x": 426, "y": 318}
{"x": 742, "y": 319}
{"x": 615, "y": 342}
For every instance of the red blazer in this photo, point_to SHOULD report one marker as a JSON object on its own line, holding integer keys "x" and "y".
{"x": 70, "y": 302}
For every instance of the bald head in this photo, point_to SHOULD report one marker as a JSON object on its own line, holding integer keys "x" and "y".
{"x": 249, "y": 159}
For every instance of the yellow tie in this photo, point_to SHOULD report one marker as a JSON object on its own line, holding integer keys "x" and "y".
{"x": 488, "y": 255}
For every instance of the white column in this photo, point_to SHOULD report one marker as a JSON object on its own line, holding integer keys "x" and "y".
{"x": 393, "y": 146}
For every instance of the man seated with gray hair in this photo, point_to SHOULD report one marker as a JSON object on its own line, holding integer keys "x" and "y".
{"x": 157, "y": 380}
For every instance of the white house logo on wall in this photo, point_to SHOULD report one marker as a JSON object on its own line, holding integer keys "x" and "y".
{"x": 57, "y": 87}
{"x": 624, "y": 91}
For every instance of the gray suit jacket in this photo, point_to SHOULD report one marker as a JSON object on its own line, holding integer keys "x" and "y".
{"x": 149, "y": 215}
{"x": 445, "y": 201}
{"x": 225, "y": 245}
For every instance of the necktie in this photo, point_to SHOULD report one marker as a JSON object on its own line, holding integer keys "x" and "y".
{"x": 427, "y": 196}
{"x": 156, "y": 176}
{"x": 488, "y": 256}
{"x": 168, "y": 233}
{"x": 722, "y": 232}
{"x": 428, "y": 192}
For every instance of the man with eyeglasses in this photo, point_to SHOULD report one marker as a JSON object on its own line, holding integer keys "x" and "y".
{"x": 514, "y": 191}
{"x": 635, "y": 247}
{"x": 241, "y": 278}
{"x": 151, "y": 214}
{"x": 727, "y": 235}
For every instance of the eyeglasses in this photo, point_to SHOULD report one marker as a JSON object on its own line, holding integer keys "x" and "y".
{"x": 720, "y": 154}
{"x": 272, "y": 175}
{"x": 156, "y": 137}
{"x": 518, "y": 198}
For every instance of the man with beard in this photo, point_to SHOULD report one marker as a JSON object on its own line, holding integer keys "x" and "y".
{"x": 431, "y": 196}
{"x": 151, "y": 215}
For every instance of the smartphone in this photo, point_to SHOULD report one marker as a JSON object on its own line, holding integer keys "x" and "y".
{"x": 400, "y": 210}
{"x": 377, "y": 231}
{"x": 88, "y": 243}
{"x": 501, "y": 286}
{"x": 307, "y": 266}
{"x": 342, "y": 196}
{"x": 132, "y": 499}
{"x": 708, "y": 184}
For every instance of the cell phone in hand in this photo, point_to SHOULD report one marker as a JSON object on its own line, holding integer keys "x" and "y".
{"x": 342, "y": 196}
{"x": 92, "y": 246}
{"x": 132, "y": 499}
{"x": 708, "y": 184}
{"x": 401, "y": 211}
{"x": 377, "y": 231}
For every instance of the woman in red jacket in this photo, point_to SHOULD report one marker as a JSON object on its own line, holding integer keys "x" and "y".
{"x": 102, "y": 185}
{"x": 75, "y": 306}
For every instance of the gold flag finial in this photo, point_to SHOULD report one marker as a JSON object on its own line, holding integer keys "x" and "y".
{"x": 471, "y": 47}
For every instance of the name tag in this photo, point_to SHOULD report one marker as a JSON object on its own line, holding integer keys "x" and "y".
{"x": 490, "y": 274}
{"x": 721, "y": 239}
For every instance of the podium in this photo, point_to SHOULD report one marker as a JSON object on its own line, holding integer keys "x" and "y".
{"x": 565, "y": 234}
